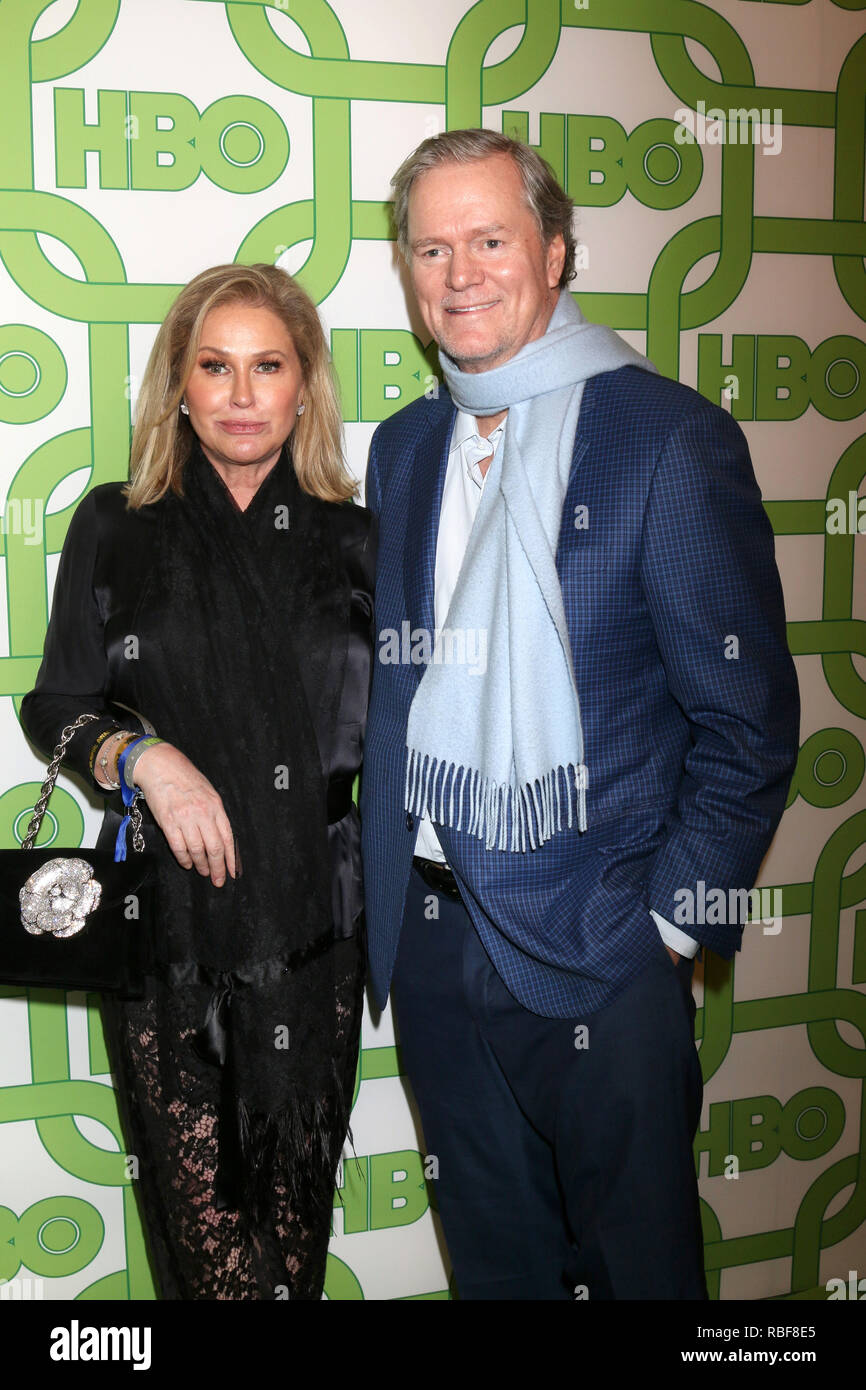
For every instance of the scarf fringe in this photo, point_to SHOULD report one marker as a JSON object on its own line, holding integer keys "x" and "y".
{"x": 504, "y": 817}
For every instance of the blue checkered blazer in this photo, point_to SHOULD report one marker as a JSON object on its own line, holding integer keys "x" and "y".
{"x": 690, "y": 747}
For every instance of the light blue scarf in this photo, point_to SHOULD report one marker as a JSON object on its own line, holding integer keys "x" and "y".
{"x": 499, "y": 752}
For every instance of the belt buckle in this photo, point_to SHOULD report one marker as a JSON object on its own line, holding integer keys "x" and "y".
{"x": 447, "y": 883}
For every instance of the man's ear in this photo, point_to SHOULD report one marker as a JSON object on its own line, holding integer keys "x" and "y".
{"x": 555, "y": 259}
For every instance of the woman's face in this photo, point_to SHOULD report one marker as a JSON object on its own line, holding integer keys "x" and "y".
{"x": 246, "y": 386}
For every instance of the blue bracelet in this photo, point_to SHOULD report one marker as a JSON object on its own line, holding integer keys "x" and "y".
{"x": 130, "y": 795}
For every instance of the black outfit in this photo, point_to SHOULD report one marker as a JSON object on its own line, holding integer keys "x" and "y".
{"x": 245, "y": 638}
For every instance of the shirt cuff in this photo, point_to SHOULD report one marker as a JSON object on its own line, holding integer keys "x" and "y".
{"x": 676, "y": 939}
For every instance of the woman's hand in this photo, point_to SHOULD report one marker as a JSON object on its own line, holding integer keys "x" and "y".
{"x": 188, "y": 810}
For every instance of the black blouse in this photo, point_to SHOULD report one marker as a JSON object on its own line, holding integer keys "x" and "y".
{"x": 90, "y": 664}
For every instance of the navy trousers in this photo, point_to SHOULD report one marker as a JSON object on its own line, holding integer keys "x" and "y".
{"x": 563, "y": 1147}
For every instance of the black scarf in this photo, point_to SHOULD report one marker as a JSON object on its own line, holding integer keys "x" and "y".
{"x": 250, "y": 613}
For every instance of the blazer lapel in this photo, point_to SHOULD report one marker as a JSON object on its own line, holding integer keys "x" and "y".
{"x": 419, "y": 560}
{"x": 581, "y": 444}
{"x": 585, "y": 423}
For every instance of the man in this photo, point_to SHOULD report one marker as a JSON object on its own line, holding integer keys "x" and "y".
{"x": 583, "y": 708}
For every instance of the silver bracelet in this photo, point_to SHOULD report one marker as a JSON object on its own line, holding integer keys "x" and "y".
{"x": 108, "y": 785}
{"x": 133, "y": 756}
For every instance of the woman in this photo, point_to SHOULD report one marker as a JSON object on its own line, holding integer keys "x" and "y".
{"x": 225, "y": 592}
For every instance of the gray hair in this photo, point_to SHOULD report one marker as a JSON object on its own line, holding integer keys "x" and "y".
{"x": 549, "y": 204}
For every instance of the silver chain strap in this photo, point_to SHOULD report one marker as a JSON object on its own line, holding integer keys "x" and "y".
{"x": 48, "y": 787}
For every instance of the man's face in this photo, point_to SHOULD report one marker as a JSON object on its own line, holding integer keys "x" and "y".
{"x": 485, "y": 282}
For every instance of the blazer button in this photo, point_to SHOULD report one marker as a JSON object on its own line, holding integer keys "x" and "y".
{"x": 410, "y": 821}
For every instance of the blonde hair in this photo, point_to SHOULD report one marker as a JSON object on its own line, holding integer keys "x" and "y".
{"x": 163, "y": 437}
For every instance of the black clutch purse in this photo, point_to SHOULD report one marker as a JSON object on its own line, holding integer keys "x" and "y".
{"x": 77, "y": 918}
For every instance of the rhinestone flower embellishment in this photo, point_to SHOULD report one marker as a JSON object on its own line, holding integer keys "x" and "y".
{"x": 58, "y": 897}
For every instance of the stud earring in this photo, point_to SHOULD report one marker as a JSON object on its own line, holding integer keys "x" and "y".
{"x": 184, "y": 407}
{"x": 301, "y": 408}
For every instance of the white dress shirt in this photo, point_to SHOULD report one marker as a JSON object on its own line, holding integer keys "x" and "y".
{"x": 461, "y": 498}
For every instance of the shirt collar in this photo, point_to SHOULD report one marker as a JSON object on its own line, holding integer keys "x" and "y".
{"x": 465, "y": 426}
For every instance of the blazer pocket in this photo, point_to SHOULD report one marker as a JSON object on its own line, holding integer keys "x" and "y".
{"x": 584, "y": 575}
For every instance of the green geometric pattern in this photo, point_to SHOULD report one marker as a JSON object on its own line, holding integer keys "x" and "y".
{"x": 154, "y": 143}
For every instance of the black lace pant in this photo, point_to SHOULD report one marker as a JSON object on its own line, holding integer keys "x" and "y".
{"x": 197, "y": 1252}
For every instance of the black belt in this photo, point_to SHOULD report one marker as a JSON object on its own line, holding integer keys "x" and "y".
{"x": 437, "y": 876}
{"x": 339, "y": 798}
